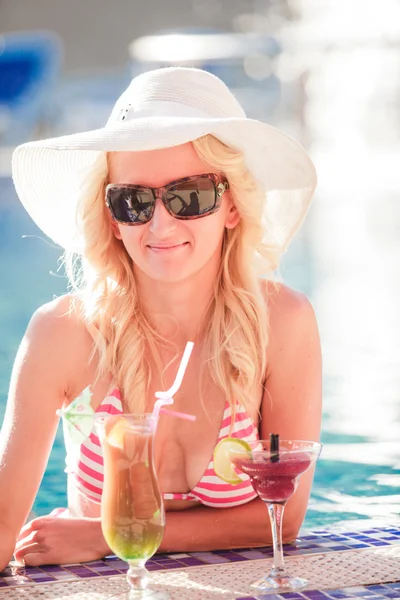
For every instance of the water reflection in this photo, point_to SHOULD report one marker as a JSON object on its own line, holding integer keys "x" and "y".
{"x": 351, "y": 119}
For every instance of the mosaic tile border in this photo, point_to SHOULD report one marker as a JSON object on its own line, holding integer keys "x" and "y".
{"x": 375, "y": 568}
{"x": 370, "y": 592}
{"x": 318, "y": 542}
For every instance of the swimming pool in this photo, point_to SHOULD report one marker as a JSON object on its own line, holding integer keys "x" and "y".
{"x": 358, "y": 474}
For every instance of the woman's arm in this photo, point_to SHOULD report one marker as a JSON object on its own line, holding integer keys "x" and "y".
{"x": 203, "y": 528}
{"x": 37, "y": 390}
{"x": 56, "y": 540}
{"x": 7, "y": 537}
{"x": 292, "y": 402}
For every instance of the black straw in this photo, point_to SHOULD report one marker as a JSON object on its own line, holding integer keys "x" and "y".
{"x": 274, "y": 447}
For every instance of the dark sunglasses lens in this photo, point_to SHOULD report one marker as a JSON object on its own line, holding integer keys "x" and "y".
{"x": 192, "y": 198}
{"x": 131, "y": 205}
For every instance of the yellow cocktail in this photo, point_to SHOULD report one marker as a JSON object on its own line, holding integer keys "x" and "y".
{"x": 132, "y": 511}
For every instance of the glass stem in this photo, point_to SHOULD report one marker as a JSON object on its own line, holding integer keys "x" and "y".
{"x": 276, "y": 515}
{"x": 137, "y": 576}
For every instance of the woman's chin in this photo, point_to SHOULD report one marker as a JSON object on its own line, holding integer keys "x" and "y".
{"x": 171, "y": 277}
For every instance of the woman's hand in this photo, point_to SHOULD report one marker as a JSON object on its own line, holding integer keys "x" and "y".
{"x": 58, "y": 538}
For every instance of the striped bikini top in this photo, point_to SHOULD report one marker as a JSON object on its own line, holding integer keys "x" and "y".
{"x": 85, "y": 467}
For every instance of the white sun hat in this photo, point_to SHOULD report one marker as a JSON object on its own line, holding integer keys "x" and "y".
{"x": 160, "y": 109}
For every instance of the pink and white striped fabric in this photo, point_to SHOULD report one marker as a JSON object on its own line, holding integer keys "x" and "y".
{"x": 86, "y": 466}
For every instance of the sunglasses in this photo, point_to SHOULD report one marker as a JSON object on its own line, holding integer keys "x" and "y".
{"x": 188, "y": 198}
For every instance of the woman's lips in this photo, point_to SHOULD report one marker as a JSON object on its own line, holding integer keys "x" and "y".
{"x": 166, "y": 248}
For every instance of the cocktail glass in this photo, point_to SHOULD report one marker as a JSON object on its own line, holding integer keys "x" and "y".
{"x": 274, "y": 477}
{"x": 132, "y": 511}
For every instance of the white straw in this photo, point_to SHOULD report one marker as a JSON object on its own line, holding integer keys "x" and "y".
{"x": 179, "y": 376}
{"x": 167, "y": 397}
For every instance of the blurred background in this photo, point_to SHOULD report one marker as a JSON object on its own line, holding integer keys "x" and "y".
{"x": 326, "y": 72}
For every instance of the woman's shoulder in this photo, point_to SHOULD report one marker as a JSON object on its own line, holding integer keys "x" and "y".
{"x": 282, "y": 299}
{"x": 289, "y": 310}
{"x": 59, "y": 321}
{"x": 293, "y": 329}
{"x": 60, "y": 313}
{"x": 58, "y": 337}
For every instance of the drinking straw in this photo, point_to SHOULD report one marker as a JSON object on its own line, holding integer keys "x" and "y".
{"x": 167, "y": 397}
{"x": 274, "y": 447}
{"x": 180, "y": 415}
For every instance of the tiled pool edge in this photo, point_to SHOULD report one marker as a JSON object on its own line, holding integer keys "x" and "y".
{"x": 234, "y": 580}
{"x": 317, "y": 542}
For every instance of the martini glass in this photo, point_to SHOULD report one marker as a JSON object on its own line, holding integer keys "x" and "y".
{"x": 132, "y": 511}
{"x": 274, "y": 474}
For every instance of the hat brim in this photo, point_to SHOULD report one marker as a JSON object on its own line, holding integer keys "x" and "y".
{"x": 49, "y": 174}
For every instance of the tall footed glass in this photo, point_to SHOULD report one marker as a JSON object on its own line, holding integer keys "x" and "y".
{"x": 274, "y": 474}
{"x": 132, "y": 511}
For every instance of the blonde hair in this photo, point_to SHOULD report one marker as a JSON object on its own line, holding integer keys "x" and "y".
{"x": 236, "y": 336}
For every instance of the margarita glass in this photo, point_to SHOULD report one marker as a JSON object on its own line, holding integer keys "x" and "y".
{"x": 274, "y": 474}
{"x": 132, "y": 511}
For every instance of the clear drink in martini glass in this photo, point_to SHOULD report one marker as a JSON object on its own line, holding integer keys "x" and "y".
{"x": 274, "y": 474}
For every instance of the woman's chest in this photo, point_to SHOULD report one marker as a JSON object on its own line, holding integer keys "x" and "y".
{"x": 183, "y": 448}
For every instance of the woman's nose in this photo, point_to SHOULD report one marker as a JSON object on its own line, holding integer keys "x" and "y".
{"x": 162, "y": 223}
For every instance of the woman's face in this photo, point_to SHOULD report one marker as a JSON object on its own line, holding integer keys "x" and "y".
{"x": 168, "y": 249}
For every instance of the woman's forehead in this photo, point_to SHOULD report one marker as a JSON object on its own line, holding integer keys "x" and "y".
{"x": 155, "y": 168}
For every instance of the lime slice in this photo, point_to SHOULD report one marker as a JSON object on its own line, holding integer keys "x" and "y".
{"x": 117, "y": 433}
{"x": 223, "y": 466}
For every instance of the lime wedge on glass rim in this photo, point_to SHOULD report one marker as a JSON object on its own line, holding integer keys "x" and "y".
{"x": 223, "y": 466}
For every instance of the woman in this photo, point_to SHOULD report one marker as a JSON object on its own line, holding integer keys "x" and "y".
{"x": 170, "y": 207}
